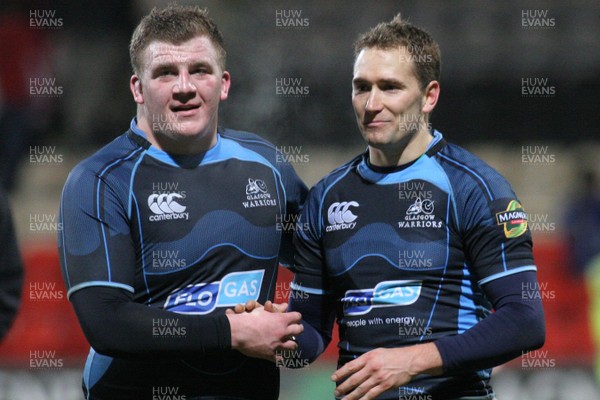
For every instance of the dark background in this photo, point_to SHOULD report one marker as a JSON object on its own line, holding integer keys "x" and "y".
{"x": 486, "y": 52}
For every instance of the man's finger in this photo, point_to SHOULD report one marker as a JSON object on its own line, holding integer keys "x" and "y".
{"x": 275, "y": 307}
{"x": 294, "y": 317}
{"x": 269, "y": 306}
{"x": 288, "y": 345}
{"x": 239, "y": 308}
{"x": 281, "y": 307}
{"x": 374, "y": 389}
{"x": 351, "y": 385}
{"x": 347, "y": 370}
{"x": 249, "y": 305}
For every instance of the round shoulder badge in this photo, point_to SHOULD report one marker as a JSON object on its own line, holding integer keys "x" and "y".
{"x": 514, "y": 219}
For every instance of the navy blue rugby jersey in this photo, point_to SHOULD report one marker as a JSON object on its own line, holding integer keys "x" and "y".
{"x": 184, "y": 234}
{"x": 403, "y": 252}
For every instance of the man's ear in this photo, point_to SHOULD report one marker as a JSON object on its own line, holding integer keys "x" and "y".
{"x": 431, "y": 94}
{"x": 225, "y": 85}
{"x": 135, "y": 85}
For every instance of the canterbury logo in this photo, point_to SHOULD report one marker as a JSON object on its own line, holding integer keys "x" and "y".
{"x": 340, "y": 216}
{"x": 165, "y": 207}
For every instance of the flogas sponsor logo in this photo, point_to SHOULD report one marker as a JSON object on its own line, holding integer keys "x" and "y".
{"x": 385, "y": 294}
{"x": 203, "y": 298}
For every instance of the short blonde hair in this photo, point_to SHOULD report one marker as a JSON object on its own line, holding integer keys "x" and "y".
{"x": 425, "y": 52}
{"x": 174, "y": 24}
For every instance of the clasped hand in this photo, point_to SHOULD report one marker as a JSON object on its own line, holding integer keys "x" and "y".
{"x": 262, "y": 331}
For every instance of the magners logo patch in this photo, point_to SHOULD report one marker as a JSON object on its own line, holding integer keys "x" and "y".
{"x": 514, "y": 219}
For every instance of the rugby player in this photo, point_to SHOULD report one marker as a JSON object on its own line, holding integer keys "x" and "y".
{"x": 411, "y": 244}
{"x": 174, "y": 222}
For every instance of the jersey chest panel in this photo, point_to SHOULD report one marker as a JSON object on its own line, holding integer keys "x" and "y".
{"x": 205, "y": 237}
{"x": 406, "y": 229}
{"x": 394, "y": 251}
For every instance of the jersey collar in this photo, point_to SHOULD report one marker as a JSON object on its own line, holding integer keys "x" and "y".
{"x": 140, "y": 138}
{"x": 384, "y": 175}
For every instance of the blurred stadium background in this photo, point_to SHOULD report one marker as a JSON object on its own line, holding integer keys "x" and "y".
{"x": 519, "y": 88}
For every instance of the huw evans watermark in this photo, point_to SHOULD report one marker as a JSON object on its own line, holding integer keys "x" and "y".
{"x": 537, "y": 87}
{"x": 537, "y": 359}
{"x": 291, "y": 87}
{"x": 167, "y": 393}
{"x": 44, "y": 155}
{"x": 291, "y": 19}
{"x": 537, "y": 19}
{"x": 45, "y": 291}
{"x": 537, "y": 155}
{"x": 413, "y": 393}
{"x": 44, "y": 359}
{"x": 167, "y": 259}
{"x": 45, "y": 19}
{"x": 290, "y": 359}
{"x": 291, "y": 154}
{"x": 44, "y": 87}
{"x": 168, "y": 328}
{"x": 44, "y": 223}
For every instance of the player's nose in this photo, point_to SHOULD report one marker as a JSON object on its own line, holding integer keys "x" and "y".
{"x": 184, "y": 83}
{"x": 374, "y": 102}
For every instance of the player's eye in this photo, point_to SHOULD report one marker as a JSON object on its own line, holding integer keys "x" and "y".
{"x": 200, "y": 69}
{"x": 165, "y": 72}
{"x": 361, "y": 88}
{"x": 390, "y": 88}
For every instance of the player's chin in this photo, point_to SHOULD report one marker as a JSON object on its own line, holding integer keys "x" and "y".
{"x": 377, "y": 140}
{"x": 189, "y": 129}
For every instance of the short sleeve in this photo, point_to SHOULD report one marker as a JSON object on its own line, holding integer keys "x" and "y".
{"x": 95, "y": 245}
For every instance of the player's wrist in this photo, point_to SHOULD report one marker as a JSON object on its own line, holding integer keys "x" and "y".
{"x": 426, "y": 360}
{"x": 235, "y": 328}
